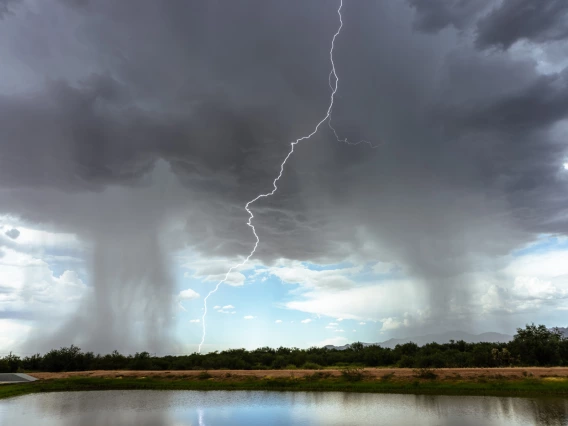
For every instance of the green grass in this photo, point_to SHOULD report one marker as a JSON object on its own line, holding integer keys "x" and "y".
{"x": 525, "y": 387}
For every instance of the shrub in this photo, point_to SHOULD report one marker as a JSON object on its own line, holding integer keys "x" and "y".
{"x": 311, "y": 366}
{"x": 425, "y": 373}
{"x": 204, "y": 375}
{"x": 352, "y": 374}
{"x": 318, "y": 375}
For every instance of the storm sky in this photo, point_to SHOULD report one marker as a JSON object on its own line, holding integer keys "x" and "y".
{"x": 133, "y": 132}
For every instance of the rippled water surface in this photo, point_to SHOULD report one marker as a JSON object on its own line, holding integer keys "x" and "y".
{"x": 145, "y": 408}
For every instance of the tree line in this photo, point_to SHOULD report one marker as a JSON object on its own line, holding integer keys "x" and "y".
{"x": 531, "y": 346}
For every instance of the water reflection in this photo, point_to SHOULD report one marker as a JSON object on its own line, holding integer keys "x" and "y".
{"x": 190, "y": 408}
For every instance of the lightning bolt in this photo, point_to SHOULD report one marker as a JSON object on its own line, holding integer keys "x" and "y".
{"x": 333, "y": 85}
{"x": 332, "y": 73}
{"x": 350, "y": 143}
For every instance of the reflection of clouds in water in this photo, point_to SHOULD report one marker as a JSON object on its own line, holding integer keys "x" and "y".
{"x": 468, "y": 410}
{"x": 188, "y": 408}
{"x": 108, "y": 408}
{"x": 374, "y": 409}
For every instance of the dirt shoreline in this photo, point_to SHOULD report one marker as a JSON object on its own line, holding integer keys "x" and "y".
{"x": 370, "y": 373}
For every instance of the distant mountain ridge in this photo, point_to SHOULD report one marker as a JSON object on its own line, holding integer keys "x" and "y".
{"x": 490, "y": 337}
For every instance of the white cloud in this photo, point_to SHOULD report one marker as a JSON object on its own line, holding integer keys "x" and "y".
{"x": 195, "y": 320}
{"x": 365, "y": 302}
{"x": 216, "y": 307}
{"x": 31, "y": 238}
{"x": 339, "y": 331}
{"x": 532, "y": 282}
{"x": 31, "y": 290}
{"x": 234, "y": 279}
{"x": 391, "y": 323}
{"x": 331, "y": 327}
{"x": 335, "y": 341}
{"x": 536, "y": 288}
{"x": 188, "y": 294}
{"x": 306, "y": 321}
{"x": 214, "y": 270}
{"x": 362, "y": 323}
{"x": 29, "y": 284}
{"x": 333, "y": 323}
{"x": 298, "y": 273}
{"x": 249, "y": 317}
{"x": 12, "y": 335}
{"x": 495, "y": 299}
{"x": 404, "y": 320}
{"x": 225, "y": 309}
{"x": 278, "y": 321}
{"x": 546, "y": 265}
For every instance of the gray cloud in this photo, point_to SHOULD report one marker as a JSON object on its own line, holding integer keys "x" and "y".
{"x": 5, "y": 7}
{"x": 76, "y": 3}
{"x": 435, "y": 15}
{"x": 515, "y": 20}
{"x": 12, "y": 233}
{"x": 185, "y": 112}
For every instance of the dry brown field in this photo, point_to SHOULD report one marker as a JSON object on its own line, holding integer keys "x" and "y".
{"x": 370, "y": 373}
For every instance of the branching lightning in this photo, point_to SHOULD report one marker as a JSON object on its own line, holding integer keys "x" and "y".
{"x": 332, "y": 73}
{"x": 333, "y": 85}
{"x": 345, "y": 139}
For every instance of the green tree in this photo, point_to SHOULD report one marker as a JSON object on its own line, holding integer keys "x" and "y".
{"x": 537, "y": 345}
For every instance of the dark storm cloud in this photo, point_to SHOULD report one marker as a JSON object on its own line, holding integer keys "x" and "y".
{"x": 515, "y": 20}
{"x": 435, "y": 15}
{"x": 66, "y": 137}
{"x": 5, "y": 7}
{"x": 543, "y": 102}
{"x": 186, "y": 109}
{"x": 76, "y": 3}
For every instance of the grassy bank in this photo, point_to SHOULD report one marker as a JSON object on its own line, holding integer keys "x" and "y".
{"x": 495, "y": 387}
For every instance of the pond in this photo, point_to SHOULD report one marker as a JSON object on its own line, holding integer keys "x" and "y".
{"x": 199, "y": 408}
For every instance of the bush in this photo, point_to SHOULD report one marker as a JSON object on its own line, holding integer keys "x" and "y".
{"x": 204, "y": 375}
{"x": 311, "y": 366}
{"x": 352, "y": 374}
{"x": 317, "y": 376}
{"x": 425, "y": 373}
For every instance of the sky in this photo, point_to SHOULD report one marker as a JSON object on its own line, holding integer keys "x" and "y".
{"x": 134, "y": 132}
